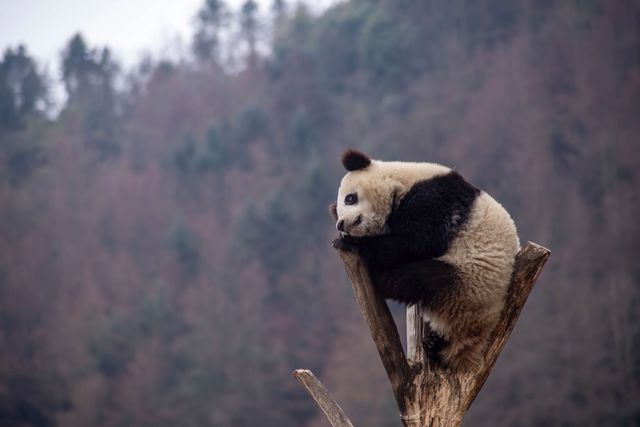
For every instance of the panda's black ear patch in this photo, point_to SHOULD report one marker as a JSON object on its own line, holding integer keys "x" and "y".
{"x": 354, "y": 160}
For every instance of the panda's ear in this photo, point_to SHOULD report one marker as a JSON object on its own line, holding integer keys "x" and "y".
{"x": 354, "y": 160}
{"x": 333, "y": 210}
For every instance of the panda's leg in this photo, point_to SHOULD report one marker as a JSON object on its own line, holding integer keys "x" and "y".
{"x": 468, "y": 336}
{"x": 431, "y": 283}
{"x": 464, "y": 353}
{"x": 388, "y": 250}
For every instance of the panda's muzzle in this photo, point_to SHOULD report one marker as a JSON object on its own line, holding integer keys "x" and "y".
{"x": 340, "y": 225}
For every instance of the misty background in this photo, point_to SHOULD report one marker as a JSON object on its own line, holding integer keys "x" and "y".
{"x": 165, "y": 171}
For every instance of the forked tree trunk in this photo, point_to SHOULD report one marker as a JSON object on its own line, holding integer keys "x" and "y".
{"x": 427, "y": 394}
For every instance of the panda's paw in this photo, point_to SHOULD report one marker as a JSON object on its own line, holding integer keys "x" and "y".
{"x": 433, "y": 344}
{"x": 344, "y": 244}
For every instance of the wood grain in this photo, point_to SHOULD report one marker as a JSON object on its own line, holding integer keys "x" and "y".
{"x": 325, "y": 401}
{"x": 383, "y": 329}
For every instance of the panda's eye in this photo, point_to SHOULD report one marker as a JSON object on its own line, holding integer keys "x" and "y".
{"x": 351, "y": 199}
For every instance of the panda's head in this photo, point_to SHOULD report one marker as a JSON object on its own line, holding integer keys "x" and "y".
{"x": 366, "y": 196}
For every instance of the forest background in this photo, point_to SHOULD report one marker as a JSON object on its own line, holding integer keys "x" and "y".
{"x": 164, "y": 237}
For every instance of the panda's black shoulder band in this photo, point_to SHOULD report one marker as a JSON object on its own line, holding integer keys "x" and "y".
{"x": 353, "y": 160}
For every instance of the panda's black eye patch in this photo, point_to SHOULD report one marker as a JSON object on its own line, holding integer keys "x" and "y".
{"x": 351, "y": 199}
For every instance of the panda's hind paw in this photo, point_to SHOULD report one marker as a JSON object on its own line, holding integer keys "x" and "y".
{"x": 433, "y": 344}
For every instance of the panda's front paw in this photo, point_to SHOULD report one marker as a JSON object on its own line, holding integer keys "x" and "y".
{"x": 344, "y": 244}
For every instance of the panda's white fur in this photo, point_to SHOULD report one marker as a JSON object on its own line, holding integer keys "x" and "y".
{"x": 480, "y": 251}
{"x": 484, "y": 251}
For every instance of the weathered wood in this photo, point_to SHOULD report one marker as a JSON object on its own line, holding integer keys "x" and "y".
{"x": 383, "y": 329}
{"x": 329, "y": 406}
{"x": 415, "y": 330}
{"x": 429, "y": 394}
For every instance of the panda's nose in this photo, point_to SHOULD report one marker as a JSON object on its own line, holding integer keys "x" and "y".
{"x": 340, "y": 225}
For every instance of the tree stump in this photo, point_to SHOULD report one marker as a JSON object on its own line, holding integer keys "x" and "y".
{"x": 427, "y": 394}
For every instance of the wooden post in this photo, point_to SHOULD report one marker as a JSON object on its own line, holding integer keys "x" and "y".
{"x": 429, "y": 394}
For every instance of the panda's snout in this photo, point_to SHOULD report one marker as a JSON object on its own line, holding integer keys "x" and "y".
{"x": 340, "y": 225}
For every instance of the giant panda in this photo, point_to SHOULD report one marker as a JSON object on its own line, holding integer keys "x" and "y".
{"x": 430, "y": 238}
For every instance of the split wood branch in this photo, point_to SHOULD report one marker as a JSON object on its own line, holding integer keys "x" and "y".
{"x": 329, "y": 406}
{"x": 383, "y": 329}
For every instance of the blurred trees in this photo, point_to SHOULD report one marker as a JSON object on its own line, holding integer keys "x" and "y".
{"x": 164, "y": 252}
{"x": 24, "y": 102}
{"x": 23, "y": 89}
{"x": 85, "y": 70}
{"x": 88, "y": 75}
{"x": 212, "y": 18}
{"x": 279, "y": 9}
{"x": 249, "y": 30}
{"x": 386, "y": 50}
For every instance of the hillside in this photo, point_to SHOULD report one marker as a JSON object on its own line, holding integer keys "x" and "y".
{"x": 164, "y": 242}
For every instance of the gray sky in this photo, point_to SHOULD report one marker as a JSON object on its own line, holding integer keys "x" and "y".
{"x": 128, "y": 27}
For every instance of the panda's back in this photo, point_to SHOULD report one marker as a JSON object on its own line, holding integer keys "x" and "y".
{"x": 484, "y": 249}
{"x": 410, "y": 173}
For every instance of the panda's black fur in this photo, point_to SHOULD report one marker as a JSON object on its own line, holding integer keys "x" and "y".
{"x": 446, "y": 200}
{"x": 407, "y": 257}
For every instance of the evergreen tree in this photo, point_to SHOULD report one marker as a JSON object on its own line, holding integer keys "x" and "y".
{"x": 212, "y": 17}
{"x": 88, "y": 75}
{"x": 87, "y": 71}
{"x": 249, "y": 30}
{"x": 23, "y": 90}
{"x": 279, "y": 10}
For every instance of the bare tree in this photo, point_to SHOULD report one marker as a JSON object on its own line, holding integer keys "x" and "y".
{"x": 427, "y": 394}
